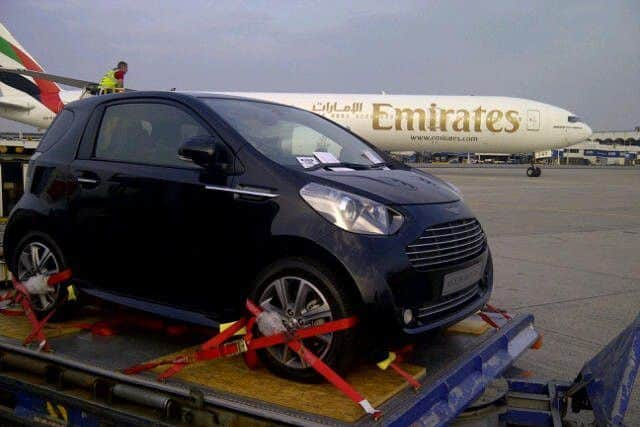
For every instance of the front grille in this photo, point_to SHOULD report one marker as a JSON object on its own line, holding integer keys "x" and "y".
{"x": 445, "y": 244}
{"x": 448, "y": 304}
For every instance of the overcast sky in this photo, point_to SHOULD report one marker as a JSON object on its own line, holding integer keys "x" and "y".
{"x": 580, "y": 55}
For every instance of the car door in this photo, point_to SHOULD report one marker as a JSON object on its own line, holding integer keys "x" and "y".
{"x": 145, "y": 224}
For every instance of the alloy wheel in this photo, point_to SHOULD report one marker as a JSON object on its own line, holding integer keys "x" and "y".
{"x": 38, "y": 258}
{"x": 300, "y": 304}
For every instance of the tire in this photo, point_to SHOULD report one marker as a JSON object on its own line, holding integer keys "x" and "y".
{"x": 322, "y": 287}
{"x": 538, "y": 172}
{"x": 55, "y": 262}
{"x": 531, "y": 172}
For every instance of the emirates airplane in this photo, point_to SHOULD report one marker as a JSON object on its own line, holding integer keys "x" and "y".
{"x": 478, "y": 124}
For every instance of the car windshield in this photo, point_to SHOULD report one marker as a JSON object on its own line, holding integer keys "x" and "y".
{"x": 294, "y": 137}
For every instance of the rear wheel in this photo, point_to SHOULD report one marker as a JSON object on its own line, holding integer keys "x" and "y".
{"x": 306, "y": 293}
{"x": 534, "y": 171}
{"x": 38, "y": 253}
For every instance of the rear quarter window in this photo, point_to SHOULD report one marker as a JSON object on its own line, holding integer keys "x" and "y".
{"x": 57, "y": 130}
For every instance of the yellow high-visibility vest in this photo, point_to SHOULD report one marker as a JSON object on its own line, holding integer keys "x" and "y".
{"x": 109, "y": 80}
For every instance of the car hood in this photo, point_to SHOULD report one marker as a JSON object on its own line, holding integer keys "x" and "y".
{"x": 394, "y": 186}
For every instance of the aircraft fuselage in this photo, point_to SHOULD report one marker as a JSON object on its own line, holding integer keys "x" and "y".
{"x": 443, "y": 123}
{"x": 408, "y": 122}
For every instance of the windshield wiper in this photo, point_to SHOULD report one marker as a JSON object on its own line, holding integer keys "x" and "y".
{"x": 380, "y": 165}
{"x": 358, "y": 166}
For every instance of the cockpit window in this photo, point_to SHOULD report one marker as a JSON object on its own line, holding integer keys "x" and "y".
{"x": 574, "y": 119}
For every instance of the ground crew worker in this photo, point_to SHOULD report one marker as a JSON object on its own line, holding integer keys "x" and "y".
{"x": 114, "y": 78}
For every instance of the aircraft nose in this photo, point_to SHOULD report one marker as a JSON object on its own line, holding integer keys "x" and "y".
{"x": 587, "y": 131}
{"x": 584, "y": 133}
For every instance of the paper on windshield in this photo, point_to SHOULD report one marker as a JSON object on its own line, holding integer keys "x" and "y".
{"x": 326, "y": 157}
{"x": 307, "y": 161}
{"x": 372, "y": 157}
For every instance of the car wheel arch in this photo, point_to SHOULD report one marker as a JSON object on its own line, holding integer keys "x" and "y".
{"x": 22, "y": 223}
{"x": 290, "y": 246}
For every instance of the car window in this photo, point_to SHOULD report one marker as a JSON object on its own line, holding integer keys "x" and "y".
{"x": 61, "y": 124}
{"x": 145, "y": 133}
{"x": 291, "y": 136}
{"x": 305, "y": 141}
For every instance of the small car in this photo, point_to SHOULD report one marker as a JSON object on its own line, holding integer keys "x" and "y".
{"x": 187, "y": 204}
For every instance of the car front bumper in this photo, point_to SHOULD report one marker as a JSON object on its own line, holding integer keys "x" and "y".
{"x": 389, "y": 284}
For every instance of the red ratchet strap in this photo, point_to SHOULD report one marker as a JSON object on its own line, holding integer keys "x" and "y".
{"x": 322, "y": 368}
{"x": 60, "y": 277}
{"x": 404, "y": 374}
{"x": 22, "y": 296}
{"x": 401, "y": 356}
{"x": 250, "y": 357}
{"x": 247, "y": 345}
{"x": 12, "y": 298}
{"x": 36, "y": 332}
{"x": 491, "y": 309}
{"x": 8, "y": 296}
{"x": 217, "y": 347}
{"x": 300, "y": 334}
{"x": 181, "y": 361}
{"x": 489, "y": 320}
{"x": 212, "y": 349}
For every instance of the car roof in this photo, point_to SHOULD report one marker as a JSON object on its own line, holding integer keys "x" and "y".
{"x": 93, "y": 101}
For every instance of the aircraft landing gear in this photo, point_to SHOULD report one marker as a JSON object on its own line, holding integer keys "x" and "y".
{"x": 534, "y": 171}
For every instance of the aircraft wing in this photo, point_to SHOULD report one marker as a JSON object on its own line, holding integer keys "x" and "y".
{"x": 69, "y": 81}
{"x": 15, "y": 103}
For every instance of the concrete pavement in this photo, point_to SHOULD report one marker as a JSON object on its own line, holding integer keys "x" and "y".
{"x": 566, "y": 248}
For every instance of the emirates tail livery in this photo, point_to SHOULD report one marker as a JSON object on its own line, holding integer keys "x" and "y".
{"x": 391, "y": 122}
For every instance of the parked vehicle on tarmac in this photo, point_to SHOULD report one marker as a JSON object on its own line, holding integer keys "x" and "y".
{"x": 185, "y": 204}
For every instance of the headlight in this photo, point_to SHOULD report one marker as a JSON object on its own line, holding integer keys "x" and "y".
{"x": 351, "y": 212}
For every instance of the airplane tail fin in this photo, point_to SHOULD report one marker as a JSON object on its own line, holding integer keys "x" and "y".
{"x": 13, "y": 55}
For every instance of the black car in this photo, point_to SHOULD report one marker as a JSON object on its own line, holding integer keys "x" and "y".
{"x": 185, "y": 204}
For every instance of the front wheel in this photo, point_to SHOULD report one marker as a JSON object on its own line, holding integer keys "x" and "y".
{"x": 306, "y": 293}
{"x": 531, "y": 172}
{"x": 38, "y": 253}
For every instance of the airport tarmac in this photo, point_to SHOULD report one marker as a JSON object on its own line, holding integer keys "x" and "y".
{"x": 566, "y": 247}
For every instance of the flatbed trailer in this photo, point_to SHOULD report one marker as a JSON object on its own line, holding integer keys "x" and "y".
{"x": 81, "y": 383}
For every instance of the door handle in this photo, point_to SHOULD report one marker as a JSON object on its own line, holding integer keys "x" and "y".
{"x": 249, "y": 191}
{"x": 87, "y": 179}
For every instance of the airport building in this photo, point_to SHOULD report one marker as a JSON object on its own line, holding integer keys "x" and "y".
{"x": 602, "y": 148}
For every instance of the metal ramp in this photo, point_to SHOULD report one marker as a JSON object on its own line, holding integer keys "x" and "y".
{"x": 603, "y": 386}
{"x": 458, "y": 384}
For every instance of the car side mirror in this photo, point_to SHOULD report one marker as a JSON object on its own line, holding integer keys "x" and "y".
{"x": 211, "y": 154}
{"x": 200, "y": 150}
